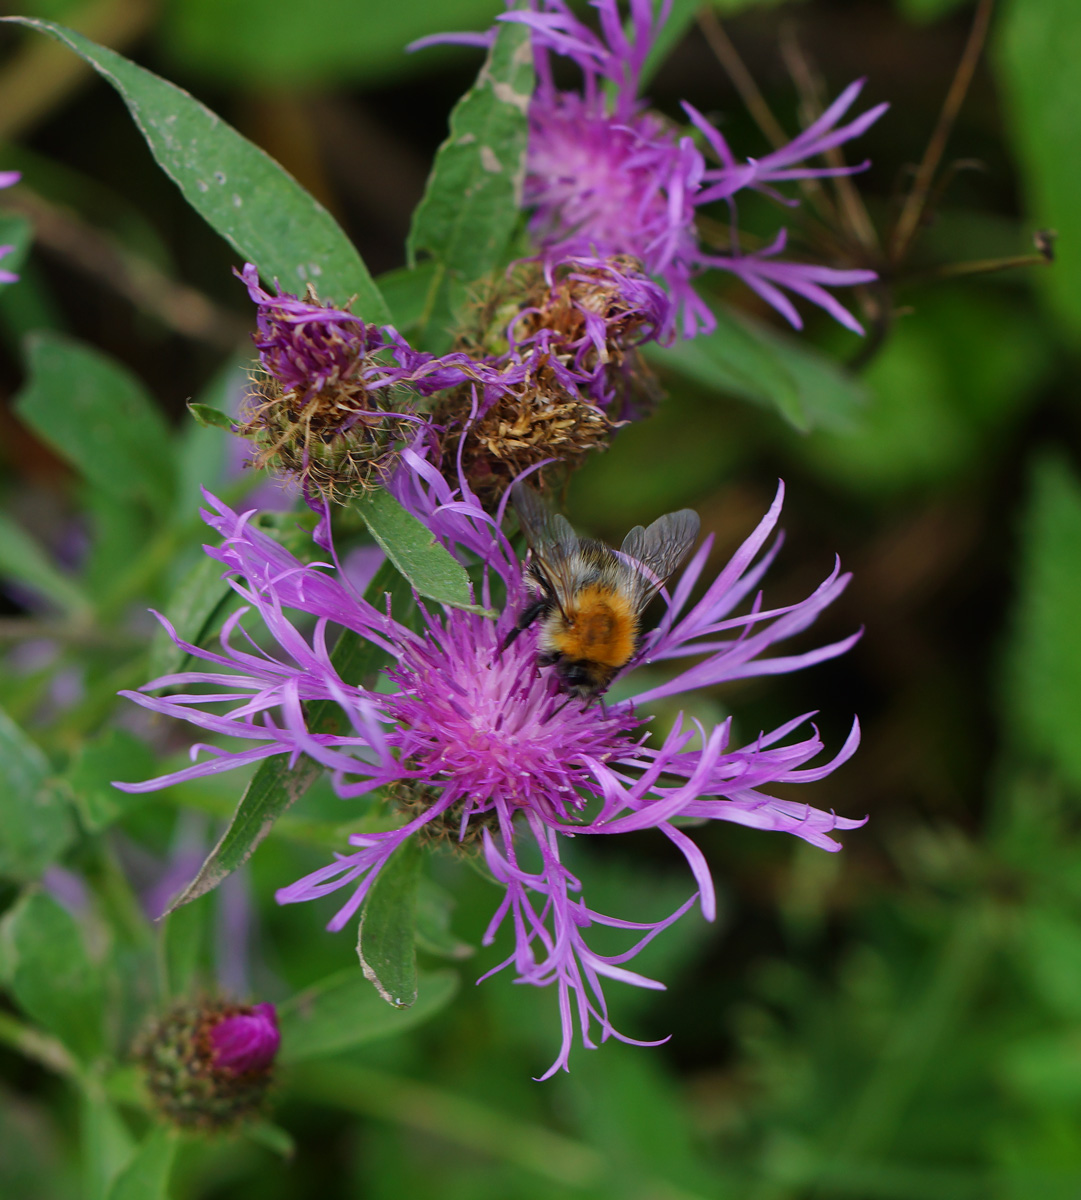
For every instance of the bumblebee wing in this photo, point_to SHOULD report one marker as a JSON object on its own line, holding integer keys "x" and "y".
{"x": 552, "y": 540}
{"x": 658, "y": 550}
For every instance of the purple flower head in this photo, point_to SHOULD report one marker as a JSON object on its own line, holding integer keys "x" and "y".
{"x": 247, "y": 1040}
{"x": 604, "y": 176}
{"x": 475, "y": 744}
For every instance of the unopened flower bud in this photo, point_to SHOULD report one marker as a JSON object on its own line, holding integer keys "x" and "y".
{"x": 209, "y": 1065}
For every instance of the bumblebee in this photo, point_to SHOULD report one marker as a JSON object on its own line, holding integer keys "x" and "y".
{"x": 590, "y": 597}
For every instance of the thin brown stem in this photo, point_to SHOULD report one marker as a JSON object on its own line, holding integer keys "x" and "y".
{"x": 134, "y": 277}
{"x": 22, "y": 629}
{"x": 729, "y": 58}
{"x": 853, "y": 212}
{"x": 916, "y": 201}
{"x": 979, "y": 266}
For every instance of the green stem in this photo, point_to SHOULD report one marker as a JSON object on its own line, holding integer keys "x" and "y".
{"x": 41, "y": 1047}
{"x": 463, "y": 1122}
{"x": 561, "y": 1160}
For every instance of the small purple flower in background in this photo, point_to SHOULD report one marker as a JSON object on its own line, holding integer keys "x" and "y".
{"x": 477, "y": 746}
{"x": 247, "y": 1040}
{"x": 209, "y": 1064}
{"x": 8, "y": 179}
{"x": 605, "y": 176}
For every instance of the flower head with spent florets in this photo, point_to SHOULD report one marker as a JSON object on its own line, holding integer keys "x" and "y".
{"x": 606, "y": 176}
{"x": 479, "y": 744}
{"x": 545, "y": 369}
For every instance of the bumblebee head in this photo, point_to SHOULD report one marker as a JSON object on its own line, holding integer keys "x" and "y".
{"x": 582, "y": 679}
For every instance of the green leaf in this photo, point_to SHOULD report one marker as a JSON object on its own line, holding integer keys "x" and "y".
{"x": 342, "y": 1012}
{"x": 275, "y": 785}
{"x": 22, "y": 559}
{"x": 146, "y": 1177}
{"x": 203, "y": 455}
{"x": 52, "y": 976}
{"x": 319, "y": 43}
{"x": 16, "y": 232}
{"x": 97, "y": 416}
{"x": 1043, "y": 671}
{"x": 107, "y": 1144}
{"x": 183, "y": 935}
{"x": 472, "y": 201}
{"x": 272, "y": 1137}
{"x": 238, "y": 189}
{"x": 387, "y": 937}
{"x": 35, "y": 823}
{"x": 409, "y": 545}
{"x": 191, "y": 611}
{"x": 681, "y": 17}
{"x": 1038, "y": 47}
{"x": 434, "y": 908}
{"x": 409, "y": 293}
{"x": 737, "y": 360}
{"x": 830, "y": 396}
{"x": 209, "y": 417}
{"x": 115, "y": 755}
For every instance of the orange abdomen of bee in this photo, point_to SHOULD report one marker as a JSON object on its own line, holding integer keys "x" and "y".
{"x": 601, "y": 628}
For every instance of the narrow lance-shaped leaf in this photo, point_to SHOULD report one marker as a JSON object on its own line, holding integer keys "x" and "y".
{"x": 746, "y": 359}
{"x": 409, "y": 545}
{"x": 472, "y": 202}
{"x": 387, "y": 937}
{"x": 343, "y": 1011}
{"x": 276, "y": 785}
{"x": 97, "y": 416}
{"x": 242, "y": 192}
{"x": 734, "y": 360}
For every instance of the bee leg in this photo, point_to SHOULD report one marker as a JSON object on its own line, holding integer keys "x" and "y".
{"x": 526, "y": 619}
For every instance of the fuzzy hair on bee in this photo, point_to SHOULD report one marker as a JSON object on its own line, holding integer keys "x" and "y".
{"x": 589, "y": 598}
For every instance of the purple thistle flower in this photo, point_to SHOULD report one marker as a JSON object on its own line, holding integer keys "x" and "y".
{"x": 245, "y": 1041}
{"x": 480, "y": 746}
{"x": 604, "y": 176}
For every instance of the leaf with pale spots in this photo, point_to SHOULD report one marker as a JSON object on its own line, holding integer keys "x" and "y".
{"x": 387, "y": 937}
{"x": 472, "y": 202}
{"x": 409, "y": 545}
{"x": 241, "y": 191}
